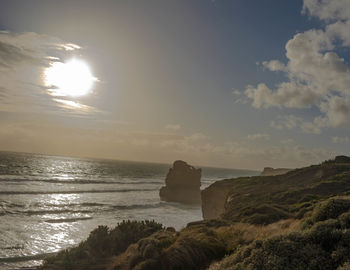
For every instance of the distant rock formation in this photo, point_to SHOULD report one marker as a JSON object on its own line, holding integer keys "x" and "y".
{"x": 268, "y": 171}
{"x": 182, "y": 184}
{"x": 342, "y": 159}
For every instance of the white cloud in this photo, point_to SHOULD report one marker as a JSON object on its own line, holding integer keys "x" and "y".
{"x": 274, "y": 65}
{"x": 317, "y": 75}
{"x": 338, "y": 111}
{"x": 288, "y": 94}
{"x": 236, "y": 93}
{"x": 337, "y": 139}
{"x": 258, "y": 136}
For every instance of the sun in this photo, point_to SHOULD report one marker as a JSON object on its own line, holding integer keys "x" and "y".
{"x": 72, "y": 78}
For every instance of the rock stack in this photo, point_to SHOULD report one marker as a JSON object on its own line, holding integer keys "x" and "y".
{"x": 182, "y": 184}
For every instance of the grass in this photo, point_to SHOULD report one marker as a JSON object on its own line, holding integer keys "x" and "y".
{"x": 267, "y": 199}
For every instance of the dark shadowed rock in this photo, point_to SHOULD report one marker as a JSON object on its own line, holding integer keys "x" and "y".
{"x": 183, "y": 183}
{"x": 342, "y": 159}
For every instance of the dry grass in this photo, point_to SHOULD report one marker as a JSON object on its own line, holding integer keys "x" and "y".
{"x": 245, "y": 233}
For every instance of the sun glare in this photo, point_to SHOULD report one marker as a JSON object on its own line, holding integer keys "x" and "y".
{"x": 72, "y": 78}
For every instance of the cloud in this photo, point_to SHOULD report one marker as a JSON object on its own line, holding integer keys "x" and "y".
{"x": 11, "y": 55}
{"x": 286, "y": 122}
{"x": 317, "y": 76}
{"x": 292, "y": 122}
{"x": 337, "y": 139}
{"x": 328, "y": 9}
{"x": 258, "y": 136}
{"x": 174, "y": 127}
{"x": 338, "y": 111}
{"x": 274, "y": 65}
{"x": 288, "y": 94}
{"x": 23, "y": 59}
{"x": 32, "y": 48}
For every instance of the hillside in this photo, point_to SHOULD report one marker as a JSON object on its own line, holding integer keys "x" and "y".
{"x": 266, "y": 199}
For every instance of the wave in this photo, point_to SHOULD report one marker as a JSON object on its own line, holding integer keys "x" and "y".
{"x": 80, "y": 181}
{"x": 27, "y": 258}
{"x": 98, "y": 207}
{"x": 64, "y": 220}
{"x": 45, "y": 212}
{"x": 72, "y": 191}
{"x": 137, "y": 206}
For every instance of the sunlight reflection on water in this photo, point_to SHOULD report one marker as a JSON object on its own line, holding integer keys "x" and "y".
{"x": 59, "y": 199}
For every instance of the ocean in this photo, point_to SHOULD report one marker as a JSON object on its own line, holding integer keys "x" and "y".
{"x": 48, "y": 203}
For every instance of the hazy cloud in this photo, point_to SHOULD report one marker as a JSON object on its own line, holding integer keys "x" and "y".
{"x": 258, "y": 136}
{"x": 337, "y": 139}
{"x": 328, "y": 9}
{"x": 174, "y": 127}
{"x": 11, "y": 55}
{"x": 292, "y": 121}
{"x": 23, "y": 58}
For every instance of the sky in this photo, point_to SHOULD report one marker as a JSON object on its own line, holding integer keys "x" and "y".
{"x": 238, "y": 84}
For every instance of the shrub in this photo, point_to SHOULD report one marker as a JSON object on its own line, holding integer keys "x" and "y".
{"x": 331, "y": 208}
{"x": 101, "y": 244}
{"x": 193, "y": 249}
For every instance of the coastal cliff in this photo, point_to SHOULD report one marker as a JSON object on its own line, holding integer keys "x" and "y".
{"x": 268, "y": 171}
{"x": 266, "y": 199}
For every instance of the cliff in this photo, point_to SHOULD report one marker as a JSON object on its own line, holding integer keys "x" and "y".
{"x": 268, "y": 171}
{"x": 266, "y": 199}
{"x": 182, "y": 184}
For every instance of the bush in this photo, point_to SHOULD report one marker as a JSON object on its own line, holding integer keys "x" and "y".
{"x": 331, "y": 208}
{"x": 264, "y": 214}
{"x": 101, "y": 244}
{"x": 193, "y": 249}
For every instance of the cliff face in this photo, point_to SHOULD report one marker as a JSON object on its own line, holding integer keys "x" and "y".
{"x": 263, "y": 200}
{"x": 183, "y": 183}
{"x": 268, "y": 171}
{"x": 214, "y": 199}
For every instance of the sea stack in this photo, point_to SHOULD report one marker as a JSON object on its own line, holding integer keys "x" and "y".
{"x": 182, "y": 184}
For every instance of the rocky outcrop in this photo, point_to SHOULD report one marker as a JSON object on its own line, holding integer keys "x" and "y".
{"x": 268, "y": 171}
{"x": 182, "y": 184}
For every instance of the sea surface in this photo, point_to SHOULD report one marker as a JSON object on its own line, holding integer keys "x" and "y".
{"x": 48, "y": 203}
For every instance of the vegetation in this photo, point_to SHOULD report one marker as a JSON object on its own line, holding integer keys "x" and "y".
{"x": 101, "y": 245}
{"x": 267, "y": 199}
{"x": 321, "y": 243}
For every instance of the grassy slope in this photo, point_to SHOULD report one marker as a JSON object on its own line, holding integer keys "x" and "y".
{"x": 266, "y": 199}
